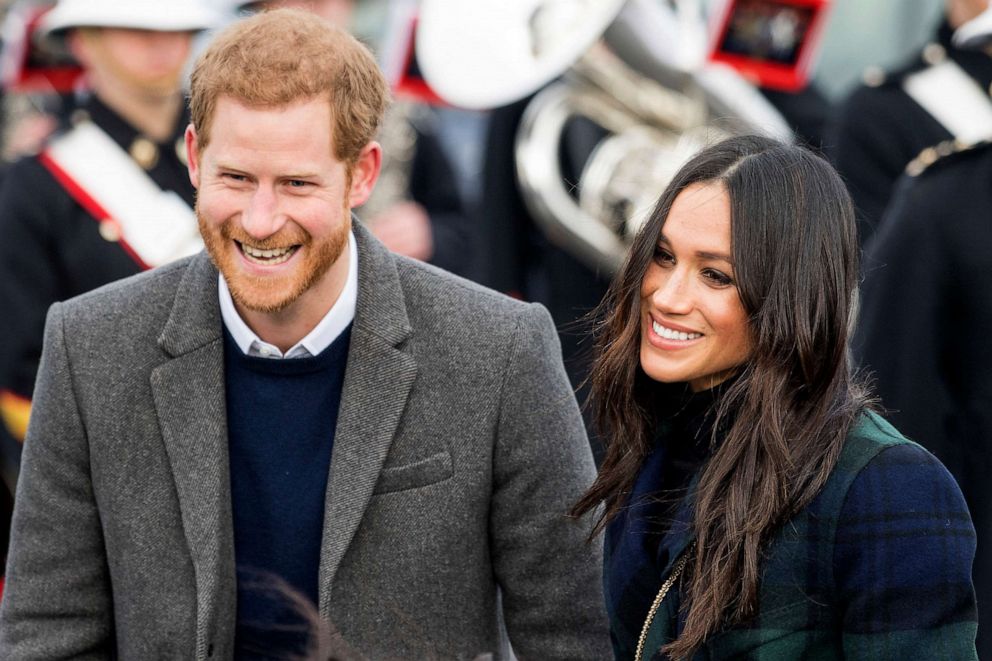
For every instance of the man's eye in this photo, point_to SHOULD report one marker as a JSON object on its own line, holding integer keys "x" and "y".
{"x": 298, "y": 183}
{"x": 234, "y": 177}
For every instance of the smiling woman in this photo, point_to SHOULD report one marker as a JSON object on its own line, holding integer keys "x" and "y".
{"x": 750, "y": 493}
{"x": 695, "y": 327}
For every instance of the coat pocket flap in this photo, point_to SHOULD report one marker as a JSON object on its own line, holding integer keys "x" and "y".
{"x": 423, "y": 472}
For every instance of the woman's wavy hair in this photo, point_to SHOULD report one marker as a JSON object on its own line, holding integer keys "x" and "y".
{"x": 785, "y": 417}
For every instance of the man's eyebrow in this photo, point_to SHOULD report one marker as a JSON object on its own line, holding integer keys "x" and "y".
{"x": 229, "y": 168}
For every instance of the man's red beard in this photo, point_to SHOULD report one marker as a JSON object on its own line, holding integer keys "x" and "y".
{"x": 271, "y": 294}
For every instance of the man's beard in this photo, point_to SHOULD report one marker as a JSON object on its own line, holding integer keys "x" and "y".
{"x": 271, "y": 294}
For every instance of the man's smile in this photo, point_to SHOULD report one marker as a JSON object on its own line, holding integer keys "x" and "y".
{"x": 267, "y": 257}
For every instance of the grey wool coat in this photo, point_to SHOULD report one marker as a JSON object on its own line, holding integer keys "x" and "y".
{"x": 458, "y": 450}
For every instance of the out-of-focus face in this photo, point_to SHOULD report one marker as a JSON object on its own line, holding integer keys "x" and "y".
{"x": 273, "y": 203}
{"x": 693, "y": 324}
{"x": 142, "y": 60}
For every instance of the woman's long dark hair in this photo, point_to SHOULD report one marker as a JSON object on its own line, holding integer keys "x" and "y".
{"x": 795, "y": 249}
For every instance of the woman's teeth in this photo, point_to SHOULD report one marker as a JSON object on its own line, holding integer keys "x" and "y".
{"x": 670, "y": 334}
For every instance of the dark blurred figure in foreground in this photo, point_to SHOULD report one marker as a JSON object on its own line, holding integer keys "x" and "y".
{"x": 898, "y": 116}
{"x": 924, "y": 330}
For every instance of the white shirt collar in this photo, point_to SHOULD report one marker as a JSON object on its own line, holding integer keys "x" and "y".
{"x": 323, "y": 334}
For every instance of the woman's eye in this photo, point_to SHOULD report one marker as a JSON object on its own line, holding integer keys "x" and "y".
{"x": 717, "y": 277}
{"x": 662, "y": 256}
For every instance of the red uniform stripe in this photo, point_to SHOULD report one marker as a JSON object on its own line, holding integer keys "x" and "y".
{"x": 86, "y": 201}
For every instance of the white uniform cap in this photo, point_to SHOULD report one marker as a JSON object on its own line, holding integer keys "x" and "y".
{"x": 158, "y": 15}
{"x": 976, "y": 33}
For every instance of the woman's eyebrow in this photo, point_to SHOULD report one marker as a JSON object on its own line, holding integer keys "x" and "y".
{"x": 704, "y": 254}
{"x": 714, "y": 256}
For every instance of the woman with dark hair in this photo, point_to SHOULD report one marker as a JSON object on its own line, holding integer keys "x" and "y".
{"x": 754, "y": 506}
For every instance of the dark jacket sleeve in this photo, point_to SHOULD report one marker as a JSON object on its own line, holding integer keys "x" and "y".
{"x": 29, "y": 282}
{"x": 903, "y": 316}
{"x": 551, "y": 579}
{"x": 903, "y": 555}
{"x": 877, "y": 132}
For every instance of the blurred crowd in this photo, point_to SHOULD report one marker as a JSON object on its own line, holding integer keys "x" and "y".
{"x": 94, "y": 188}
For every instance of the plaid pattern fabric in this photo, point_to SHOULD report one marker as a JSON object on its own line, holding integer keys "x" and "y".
{"x": 878, "y": 566}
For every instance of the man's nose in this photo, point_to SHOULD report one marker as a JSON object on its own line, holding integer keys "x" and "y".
{"x": 262, "y": 217}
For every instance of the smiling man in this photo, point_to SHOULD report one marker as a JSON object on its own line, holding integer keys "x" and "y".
{"x": 298, "y": 411}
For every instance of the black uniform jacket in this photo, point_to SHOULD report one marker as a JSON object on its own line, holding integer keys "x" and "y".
{"x": 879, "y": 129}
{"x": 52, "y": 249}
{"x": 433, "y": 185}
{"x": 926, "y": 318}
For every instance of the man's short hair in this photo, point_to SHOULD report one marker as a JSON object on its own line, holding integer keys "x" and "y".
{"x": 282, "y": 56}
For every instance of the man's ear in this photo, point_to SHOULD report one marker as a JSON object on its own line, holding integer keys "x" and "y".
{"x": 193, "y": 156}
{"x": 364, "y": 174}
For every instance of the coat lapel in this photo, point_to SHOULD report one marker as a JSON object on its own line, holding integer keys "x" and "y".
{"x": 377, "y": 382}
{"x": 675, "y": 542}
{"x": 190, "y": 401}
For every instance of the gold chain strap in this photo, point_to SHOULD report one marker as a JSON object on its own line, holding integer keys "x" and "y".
{"x": 665, "y": 587}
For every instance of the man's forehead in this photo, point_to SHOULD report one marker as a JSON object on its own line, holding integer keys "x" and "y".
{"x": 230, "y": 102}
{"x": 299, "y": 131}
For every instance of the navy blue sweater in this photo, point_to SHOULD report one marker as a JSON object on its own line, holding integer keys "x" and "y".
{"x": 281, "y": 417}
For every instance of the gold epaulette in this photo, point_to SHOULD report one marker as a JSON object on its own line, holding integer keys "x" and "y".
{"x": 941, "y": 150}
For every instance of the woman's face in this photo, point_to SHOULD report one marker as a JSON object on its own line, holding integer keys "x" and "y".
{"x": 693, "y": 324}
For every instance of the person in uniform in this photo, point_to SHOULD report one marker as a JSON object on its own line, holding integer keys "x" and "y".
{"x": 925, "y": 318}
{"x": 417, "y": 208}
{"x": 894, "y": 117}
{"x": 110, "y": 195}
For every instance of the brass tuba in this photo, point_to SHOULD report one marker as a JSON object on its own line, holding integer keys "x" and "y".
{"x": 634, "y": 68}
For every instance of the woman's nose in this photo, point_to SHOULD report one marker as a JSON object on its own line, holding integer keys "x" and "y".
{"x": 673, "y": 293}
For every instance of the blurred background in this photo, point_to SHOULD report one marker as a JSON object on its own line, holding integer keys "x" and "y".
{"x": 527, "y": 142}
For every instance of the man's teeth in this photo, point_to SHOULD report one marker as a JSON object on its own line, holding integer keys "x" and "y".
{"x": 670, "y": 334}
{"x": 275, "y": 256}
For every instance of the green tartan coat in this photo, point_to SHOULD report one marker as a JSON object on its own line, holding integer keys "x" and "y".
{"x": 877, "y": 567}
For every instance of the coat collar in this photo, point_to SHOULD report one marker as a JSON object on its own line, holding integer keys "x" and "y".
{"x": 189, "y": 396}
